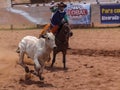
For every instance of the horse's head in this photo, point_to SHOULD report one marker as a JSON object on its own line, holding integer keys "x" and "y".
{"x": 66, "y": 30}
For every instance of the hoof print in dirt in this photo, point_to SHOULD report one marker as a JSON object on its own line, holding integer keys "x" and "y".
{"x": 88, "y": 66}
{"x": 27, "y": 76}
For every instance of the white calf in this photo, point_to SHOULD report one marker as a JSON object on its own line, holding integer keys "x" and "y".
{"x": 37, "y": 49}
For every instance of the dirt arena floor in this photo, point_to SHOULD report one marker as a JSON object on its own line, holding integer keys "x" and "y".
{"x": 93, "y": 62}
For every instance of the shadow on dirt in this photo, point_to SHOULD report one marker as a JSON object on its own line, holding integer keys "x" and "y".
{"x": 94, "y": 53}
{"x": 37, "y": 83}
{"x": 55, "y": 69}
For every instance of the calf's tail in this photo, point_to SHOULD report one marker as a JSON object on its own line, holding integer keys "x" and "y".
{"x": 18, "y": 50}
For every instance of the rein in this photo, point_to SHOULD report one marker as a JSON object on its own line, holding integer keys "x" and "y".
{"x": 62, "y": 42}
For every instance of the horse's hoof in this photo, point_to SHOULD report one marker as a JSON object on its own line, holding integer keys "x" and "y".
{"x": 41, "y": 78}
{"x": 65, "y": 68}
{"x": 26, "y": 69}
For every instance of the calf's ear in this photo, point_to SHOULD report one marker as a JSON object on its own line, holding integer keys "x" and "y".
{"x": 43, "y": 36}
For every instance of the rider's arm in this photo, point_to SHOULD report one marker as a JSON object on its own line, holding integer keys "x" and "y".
{"x": 66, "y": 18}
{"x": 53, "y": 9}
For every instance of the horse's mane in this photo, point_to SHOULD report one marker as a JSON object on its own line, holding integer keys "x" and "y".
{"x": 63, "y": 27}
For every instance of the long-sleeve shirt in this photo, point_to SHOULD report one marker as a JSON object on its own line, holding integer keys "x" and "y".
{"x": 58, "y": 16}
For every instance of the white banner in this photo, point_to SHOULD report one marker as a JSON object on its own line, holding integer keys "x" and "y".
{"x": 78, "y": 13}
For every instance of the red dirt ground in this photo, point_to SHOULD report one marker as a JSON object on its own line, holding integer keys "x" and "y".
{"x": 93, "y": 62}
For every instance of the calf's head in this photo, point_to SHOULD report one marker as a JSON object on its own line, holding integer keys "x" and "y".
{"x": 50, "y": 40}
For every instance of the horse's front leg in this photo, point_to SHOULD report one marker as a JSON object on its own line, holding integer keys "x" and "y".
{"x": 64, "y": 59}
{"x": 21, "y": 61}
{"x": 54, "y": 57}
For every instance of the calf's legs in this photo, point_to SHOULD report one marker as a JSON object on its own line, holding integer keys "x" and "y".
{"x": 39, "y": 66}
{"x": 21, "y": 62}
{"x": 40, "y": 73}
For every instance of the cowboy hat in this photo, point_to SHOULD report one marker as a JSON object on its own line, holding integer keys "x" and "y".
{"x": 61, "y": 4}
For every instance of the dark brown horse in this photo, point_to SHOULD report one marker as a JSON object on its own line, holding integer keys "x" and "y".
{"x": 62, "y": 42}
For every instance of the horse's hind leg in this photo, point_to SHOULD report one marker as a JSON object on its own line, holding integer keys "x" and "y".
{"x": 21, "y": 62}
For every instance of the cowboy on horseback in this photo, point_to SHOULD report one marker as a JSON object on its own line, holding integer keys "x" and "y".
{"x": 56, "y": 19}
{"x": 58, "y": 16}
